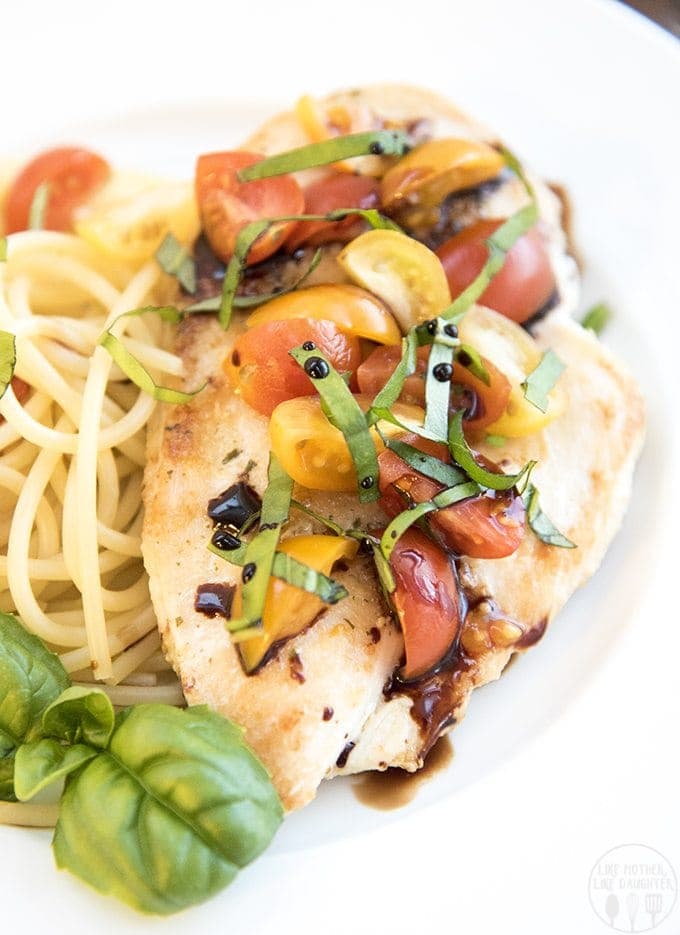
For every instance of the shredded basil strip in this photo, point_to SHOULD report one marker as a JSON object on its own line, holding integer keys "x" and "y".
{"x": 407, "y": 518}
{"x": 175, "y": 260}
{"x": 541, "y": 524}
{"x": 437, "y": 392}
{"x": 8, "y": 359}
{"x": 3, "y": 249}
{"x": 376, "y": 142}
{"x": 391, "y": 391}
{"x": 597, "y": 317}
{"x": 344, "y": 413}
{"x": 36, "y": 213}
{"x": 133, "y": 369}
{"x": 425, "y": 464}
{"x": 462, "y": 455}
{"x": 261, "y": 549}
{"x": 382, "y": 567}
{"x": 542, "y": 379}
{"x": 319, "y": 517}
{"x": 474, "y": 364}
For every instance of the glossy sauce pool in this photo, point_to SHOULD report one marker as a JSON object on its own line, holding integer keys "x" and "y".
{"x": 395, "y": 788}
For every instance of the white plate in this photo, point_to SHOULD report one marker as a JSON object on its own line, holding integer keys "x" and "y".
{"x": 574, "y": 751}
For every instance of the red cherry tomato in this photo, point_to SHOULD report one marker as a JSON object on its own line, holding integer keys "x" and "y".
{"x": 334, "y": 191}
{"x": 71, "y": 174}
{"x": 484, "y": 404}
{"x": 523, "y": 285}
{"x": 227, "y": 205}
{"x": 426, "y": 601}
{"x": 260, "y": 368}
{"x": 488, "y": 526}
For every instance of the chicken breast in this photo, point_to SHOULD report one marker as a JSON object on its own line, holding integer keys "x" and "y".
{"x": 326, "y": 703}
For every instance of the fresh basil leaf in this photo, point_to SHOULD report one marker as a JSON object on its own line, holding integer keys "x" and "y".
{"x": 36, "y": 213}
{"x": 169, "y": 813}
{"x": 80, "y": 715}
{"x": 319, "y": 517}
{"x": 31, "y": 678}
{"x": 597, "y": 317}
{"x": 438, "y": 384}
{"x": 3, "y": 249}
{"x": 307, "y": 579}
{"x": 464, "y": 458}
{"x": 344, "y": 413}
{"x": 133, "y": 369}
{"x": 8, "y": 359}
{"x": 541, "y": 380}
{"x": 42, "y": 762}
{"x": 384, "y": 571}
{"x": 391, "y": 391}
{"x": 470, "y": 358}
{"x": 540, "y": 524}
{"x": 376, "y": 142}
{"x": 403, "y": 521}
{"x": 426, "y": 464}
{"x": 175, "y": 260}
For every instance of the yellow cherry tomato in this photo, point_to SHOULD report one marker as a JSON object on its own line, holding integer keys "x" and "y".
{"x": 353, "y": 310}
{"x": 437, "y": 168}
{"x": 401, "y": 271}
{"x": 130, "y": 227}
{"x": 515, "y": 353}
{"x": 313, "y": 452}
{"x": 288, "y": 610}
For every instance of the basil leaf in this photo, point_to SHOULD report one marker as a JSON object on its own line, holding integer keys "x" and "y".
{"x": 403, "y": 521}
{"x": 426, "y": 464}
{"x": 80, "y": 715}
{"x": 384, "y": 572}
{"x": 8, "y": 359}
{"x": 307, "y": 579}
{"x": 597, "y": 317}
{"x": 260, "y": 551}
{"x": 31, "y": 678}
{"x": 391, "y": 391}
{"x": 169, "y": 813}
{"x": 133, "y": 369}
{"x": 344, "y": 413}
{"x": 470, "y": 358}
{"x": 541, "y": 380}
{"x": 39, "y": 764}
{"x": 320, "y": 518}
{"x": 376, "y": 142}
{"x": 175, "y": 260}
{"x": 437, "y": 384}
{"x": 462, "y": 455}
{"x": 36, "y": 213}
{"x": 3, "y": 249}
{"x": 540, "y": 524}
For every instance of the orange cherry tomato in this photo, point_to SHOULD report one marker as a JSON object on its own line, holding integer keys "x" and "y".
{"x": 483, "y": 403}
{"x": 328, "y": 194}
{"x": 426, "y": 602}
{"x": 227, "y": 205}
{"x": 72, "y": 174}
{"x": 262, "y": 371}
{"x": 523, "y": 285}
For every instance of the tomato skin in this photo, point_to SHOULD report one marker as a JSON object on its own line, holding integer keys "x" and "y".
{"x": 488, "y": 402}
{"x": 72, "y": 174}
{"x": 328, "y": 194}
{"x": 426, "y": 602}
{"x": 523, "y": 285}
{"x": 227, "y": 205}
{"x": 260, "y": 368}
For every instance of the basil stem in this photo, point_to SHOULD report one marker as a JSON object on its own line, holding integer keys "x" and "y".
{"x": 408, "y": 517}
{"x": 425, "y": 464}
{"x": 260, "y": 551}
{"x": 376, "y": 142}
{"x": 597, "y": 317}
{"x": 464, "y": 458}
{"x": 542, "y": 379}
{"x": 133, "y": 369}
{"x": 391, "y": 391}
{"x": 175, "y": 260}
{"x": 36, "y": 213}
{"x": 541, "y": 524}
{"x": 344, "y": 413}
{"x": 8, "y": 359}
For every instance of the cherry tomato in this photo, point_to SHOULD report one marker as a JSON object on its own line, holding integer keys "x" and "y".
{"x": 262, "y": 371}
{"x": 334, "y": 191}
{"x": 483, "y": 403}
{"x": 227, "y": 205}
{"x": 426, "y": 601}
{"x": 71, "y": 174}
{"x": 523, "y": 285}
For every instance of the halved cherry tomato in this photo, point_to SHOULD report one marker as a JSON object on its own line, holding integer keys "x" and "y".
{"x": 262, "y": 371}
{"x": 523, "y": 285}
{"x": 351, "y": 308}
{"x": 426, "y": 602}
{"x": 483, "y": 403}
{"x": 227, "y": 205}
{"x": 72, "y": 174}
{"x": 334, "y": 191}
{"x": 487, "y": 526}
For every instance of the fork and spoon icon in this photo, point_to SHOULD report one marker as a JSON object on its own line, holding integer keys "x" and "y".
{"x": 653, "y": 906}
